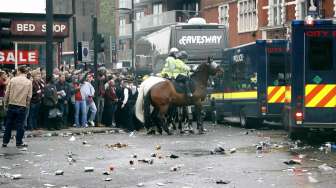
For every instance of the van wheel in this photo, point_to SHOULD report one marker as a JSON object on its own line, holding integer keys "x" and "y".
{"x": 296, "y": 133}
{"x": 243, "y": 120}
{"x": 285, "y": 120}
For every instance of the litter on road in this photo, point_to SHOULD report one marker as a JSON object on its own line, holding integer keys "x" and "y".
{"x": 88, "y": 169}
{"x": 293, "y": 162}
{"x": 59, "y": 172}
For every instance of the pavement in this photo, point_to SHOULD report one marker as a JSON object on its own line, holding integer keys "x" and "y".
{"x": 251, "y": 158}
{"x": 69, "y": 131}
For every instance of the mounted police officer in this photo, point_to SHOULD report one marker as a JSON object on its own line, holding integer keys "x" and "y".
{"x": 175, "y": 68}
{"x": 168, "y": 70}
{"x": 182, "y": 70}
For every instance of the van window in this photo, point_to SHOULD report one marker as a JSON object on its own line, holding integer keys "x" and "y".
{"x": 320, "y": 54}
{"x": 276, "y": 66}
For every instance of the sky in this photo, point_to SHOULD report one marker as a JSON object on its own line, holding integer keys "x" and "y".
{"x": 23, "y": 6}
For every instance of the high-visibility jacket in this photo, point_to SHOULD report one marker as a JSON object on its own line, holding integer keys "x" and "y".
{"x": 174, "y": 67}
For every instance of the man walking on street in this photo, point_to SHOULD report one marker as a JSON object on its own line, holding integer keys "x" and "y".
{"x": 17, "y": 100}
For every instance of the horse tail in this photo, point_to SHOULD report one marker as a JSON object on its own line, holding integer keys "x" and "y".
{"x": 139, "y": 105}
{"x": 147, "y": 110}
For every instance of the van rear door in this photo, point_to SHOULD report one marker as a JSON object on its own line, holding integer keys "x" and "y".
{"x": 320, "y": 75}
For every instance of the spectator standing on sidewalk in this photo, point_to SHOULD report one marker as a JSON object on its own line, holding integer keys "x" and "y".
{"x": 38, "y": 87}
{"x": 100, "y": 97}
{"x": 111, "y": 100}
{"x": 64, "y": 95}
{"x": 17, "y": 100}
{"x": 80, "y": 103}
{"x": 89, "y": 93}
{"x": 50, "y": 101}
{"x": 3, "y": 84}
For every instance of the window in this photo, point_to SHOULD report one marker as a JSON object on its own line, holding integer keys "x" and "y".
{"x": 223, "y": 12}
{"x": 247, "y": 15}
{"x": 276, "y": 64}
{"x": 275, "y": 12}
{"x": 157, "y": 8}
{"x": 319, "y": 53}
{"x": 139, "y": 15}
{"x": 244, "y": 75}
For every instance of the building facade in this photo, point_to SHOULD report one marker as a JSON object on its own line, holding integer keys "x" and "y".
{"x": 149, "y": 16}
{"x": 248, "y": 20}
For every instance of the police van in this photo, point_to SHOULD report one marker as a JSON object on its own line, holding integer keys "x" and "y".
{"x": 252, "y": 88}
{"x": 311, "y": 78}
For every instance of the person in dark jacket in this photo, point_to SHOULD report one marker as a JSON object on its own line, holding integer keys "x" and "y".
{"x": 35, "y": 103}
{"x": 64, "y": 97}
{"x": 100, "y": 98}
{"x": 50, "y": 101}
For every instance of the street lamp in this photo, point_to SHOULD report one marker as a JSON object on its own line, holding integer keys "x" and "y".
{"x": 131, "y": 12}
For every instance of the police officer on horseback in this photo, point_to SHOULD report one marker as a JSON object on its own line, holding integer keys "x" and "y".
{"x": 175, "y": 68}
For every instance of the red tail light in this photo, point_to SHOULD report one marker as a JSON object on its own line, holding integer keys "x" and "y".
{"x": 263, "y": 110}
{"x": 298, "y": 117}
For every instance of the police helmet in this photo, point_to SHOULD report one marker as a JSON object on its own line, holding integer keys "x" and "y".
{"x": 173, "y": 51}
{"x": 182, "y": 55}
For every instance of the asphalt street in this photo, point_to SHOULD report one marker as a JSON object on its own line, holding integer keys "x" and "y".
{"x": 252, "y": 158}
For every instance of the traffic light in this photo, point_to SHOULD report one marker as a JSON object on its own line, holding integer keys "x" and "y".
{"x": 100, "y": 43}
{"x": 79, "y": 51}
{"x": 5, "y": 32}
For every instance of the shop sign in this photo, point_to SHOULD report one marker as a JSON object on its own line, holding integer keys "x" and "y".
{"x": 38, "y": 28}
{"x": 30, "y": 57}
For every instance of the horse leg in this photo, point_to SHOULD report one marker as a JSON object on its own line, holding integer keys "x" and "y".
{"x": 157, "y": 121}
{"x": 147, "y": 114}
{"x": 180, "y": 118}
{"x": 162, "y": 118}
{"x": 199, "y": 118}
{"x": 189, "y": 118}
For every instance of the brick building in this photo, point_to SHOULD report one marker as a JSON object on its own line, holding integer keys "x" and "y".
{"x": 249, "y": 20}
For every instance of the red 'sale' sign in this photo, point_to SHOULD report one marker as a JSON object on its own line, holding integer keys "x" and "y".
{"x": 23, "y": 56}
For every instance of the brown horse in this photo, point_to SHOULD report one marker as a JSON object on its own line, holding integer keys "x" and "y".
{"x": 156, "y": 95}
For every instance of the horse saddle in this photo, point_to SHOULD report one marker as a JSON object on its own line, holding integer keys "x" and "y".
{"x": 181, "y": 85}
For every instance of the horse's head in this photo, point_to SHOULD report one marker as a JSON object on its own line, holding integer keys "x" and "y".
{"x": 214, "y": 68}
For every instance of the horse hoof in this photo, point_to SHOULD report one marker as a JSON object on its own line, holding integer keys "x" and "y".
{"x": 151, "y": 132}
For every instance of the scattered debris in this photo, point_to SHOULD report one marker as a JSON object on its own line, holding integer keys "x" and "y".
{"x": 24, "y": 149}
{"x": 72, "y": 138}
{"x": 59, "y": 172}
{"x": 5, "y": 168}
{"x": 172, "y": 156}
{"x": 149, "y": 161}
{"x": 153, "y": 154}
{"x": 260, "y": 180}
{"x": 49, "y": 185}
{"x": 134, "y": 156}
{"x": 111, "y": 168}
{"x": 88, "y": 169}
{"x": 100, "y": 157}
{"x": 160, "y": 184}
{"x": 325, "y": 168}
{"x": 222, "y": 182}
{"x": 131, "y": 162}
{"x": 218, "y": 150}
{"x": 293, "y": 162}
{"x": 312, "y": 180}
{"x": 140, "y": 184}
{"x": 117, "y": 145}
{"x": 108, "y": 179}
{"x": 233, "y": 150}
{"x": 85, "y": 142}
{"x": 158, "y": 147}
{"x": 106, "y": 173}
{"x": 175, "y": 168}
{"x": 16, "y": 176}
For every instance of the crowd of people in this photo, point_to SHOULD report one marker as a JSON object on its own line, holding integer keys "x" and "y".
{"x": 30, "y": 100}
